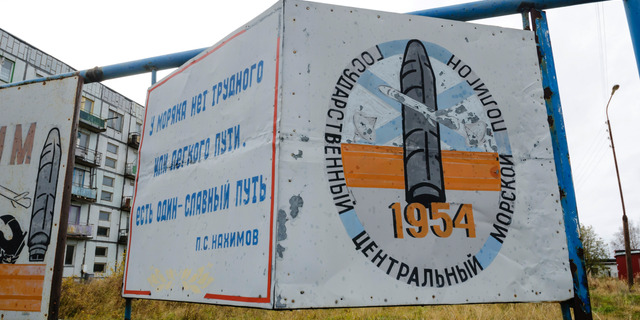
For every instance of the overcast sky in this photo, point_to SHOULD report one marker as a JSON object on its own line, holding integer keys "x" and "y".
{"x": 591, "y": 45}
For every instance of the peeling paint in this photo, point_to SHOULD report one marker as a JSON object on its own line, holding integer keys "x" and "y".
{"x": 282, "y": 229}
{"x": 304, "y": 139}
{"x": 296, "y": 203}
{"x": 279, "y": 304}
{"x": 280, "y": 251}
{"x": 282, "y": 232}
{"x": 296, "y": 156}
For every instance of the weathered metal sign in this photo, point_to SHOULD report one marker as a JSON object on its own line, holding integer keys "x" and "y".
{"x": 36, "y": 133}
{"x": 202, "y": 222}
{"x": 357, "y": 158}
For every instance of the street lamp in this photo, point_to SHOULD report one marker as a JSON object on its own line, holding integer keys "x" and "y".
{"x": 625, "y": 221}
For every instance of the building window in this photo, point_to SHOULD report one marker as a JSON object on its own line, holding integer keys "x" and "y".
{"x": 104, "y": 216}
{"x": 111, "y": 163}
{"x": 107, "y": 181}
{"x": 6, "y": 70}
{"x": 83, "y": 140}
{"x": 106, "y": 196}
{"x": 112, "y": 148}
{"x": 101, "y": 252}
{"x": 138, "y": 127}
{"x": 86, "y": 105}
{"x": 103, "y": 231}
{"x": 68, "y": 257}
{"x": 74, "y": 214}
{"x": 115, "y": 120}
{"x": 98, "y": 267}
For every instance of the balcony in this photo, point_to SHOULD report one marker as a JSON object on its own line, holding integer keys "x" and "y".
{"x": 91, "y": 122}
{"x": 80, "y": 231}
{"x": 88, "y": 157}
{"x": 130, "y": 170}
{"x": 123, "y": 235}
{"x": 126, "y": 203}
{"x": 83, "y": 193}
{"x": 134, "y": 140}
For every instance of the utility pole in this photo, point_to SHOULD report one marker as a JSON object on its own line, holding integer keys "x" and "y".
{"x": 625, "y": 221}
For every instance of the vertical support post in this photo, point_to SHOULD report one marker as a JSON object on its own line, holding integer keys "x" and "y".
{"x": 153, "y": 76}
{"x": 632, "y": 8}
{"x": 127, "y": 309}
{"x": 581, "y": 300}
{"x": 566, "y": 310}
{"x": 526, "y": 23}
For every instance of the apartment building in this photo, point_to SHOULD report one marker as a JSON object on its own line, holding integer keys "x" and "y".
{"x": 106, "y": 157}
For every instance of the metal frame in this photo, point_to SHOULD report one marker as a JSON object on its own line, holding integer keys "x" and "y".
{"x": 463, "y": 12}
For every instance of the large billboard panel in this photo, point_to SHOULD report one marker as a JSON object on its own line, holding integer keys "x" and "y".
{"x": 324, "y": 156}
{"x": 426, "y": 173}
{"x": 37, "y": 137}
{"x": 201, "y": 223}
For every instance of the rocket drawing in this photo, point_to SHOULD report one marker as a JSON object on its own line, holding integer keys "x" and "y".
{"x": 45, "y": 197}
{"x": 424, "y": 178}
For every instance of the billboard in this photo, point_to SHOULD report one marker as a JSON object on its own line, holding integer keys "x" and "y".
{"x": 381, "y": 159}
{"x": 37, "y": 137}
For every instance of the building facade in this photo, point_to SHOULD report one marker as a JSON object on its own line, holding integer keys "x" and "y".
{"x": 109, "y": 132}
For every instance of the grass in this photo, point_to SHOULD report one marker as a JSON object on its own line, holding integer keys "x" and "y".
{"x": 100, "y": 299}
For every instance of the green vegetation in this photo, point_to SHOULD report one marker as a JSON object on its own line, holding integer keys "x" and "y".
{"x": 594, "y": 250}
{"x": 100, "y": 299}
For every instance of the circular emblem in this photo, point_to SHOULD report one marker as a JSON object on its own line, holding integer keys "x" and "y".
{"x": 419, "y": 163}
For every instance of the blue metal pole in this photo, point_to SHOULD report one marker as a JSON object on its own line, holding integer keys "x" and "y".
{"x": 127, "y": 309}
{"x": 632, "y": 8}
{"x": 495, "y": 8}
{"x": 462, "y": 12}
{"x": 153, "y": 76}
{"x": 581, "y": 301}
{"x": 99, "y": 74}
{"x": 565, "y": 307}
{"x": 526, "y": 23}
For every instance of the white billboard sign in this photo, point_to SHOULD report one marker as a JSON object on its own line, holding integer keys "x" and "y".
{"x": 36, "y": 132}
{"x": 325, "y": 156}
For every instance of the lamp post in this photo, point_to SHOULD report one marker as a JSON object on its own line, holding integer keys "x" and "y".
{"x": 625, "y": 221}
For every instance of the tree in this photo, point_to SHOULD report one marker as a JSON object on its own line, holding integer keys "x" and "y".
{"x": 595, "y": 250}
{"x": 634, "y": 237}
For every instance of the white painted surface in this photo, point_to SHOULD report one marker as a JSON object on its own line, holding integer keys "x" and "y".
{"x": 50, "y": 106}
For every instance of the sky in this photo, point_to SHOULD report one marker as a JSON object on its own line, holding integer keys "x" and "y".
{"x": 591, "y": 45}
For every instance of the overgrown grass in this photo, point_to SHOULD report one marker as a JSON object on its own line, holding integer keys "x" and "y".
{"x": 611, "y": 298}
{"x": 100, "y": 299}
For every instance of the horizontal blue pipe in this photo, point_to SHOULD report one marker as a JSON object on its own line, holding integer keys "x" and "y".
{"x": 120, "y": 70}
{"x": 494, "y": 8}
{"x": 461, "y": 12}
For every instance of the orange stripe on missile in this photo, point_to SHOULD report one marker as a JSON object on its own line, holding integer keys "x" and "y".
{"x": 367, "y": 166}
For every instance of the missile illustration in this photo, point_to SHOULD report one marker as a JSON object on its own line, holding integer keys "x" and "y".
{"x": 424, "y": 177}
{"x": 45, "y": 197}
